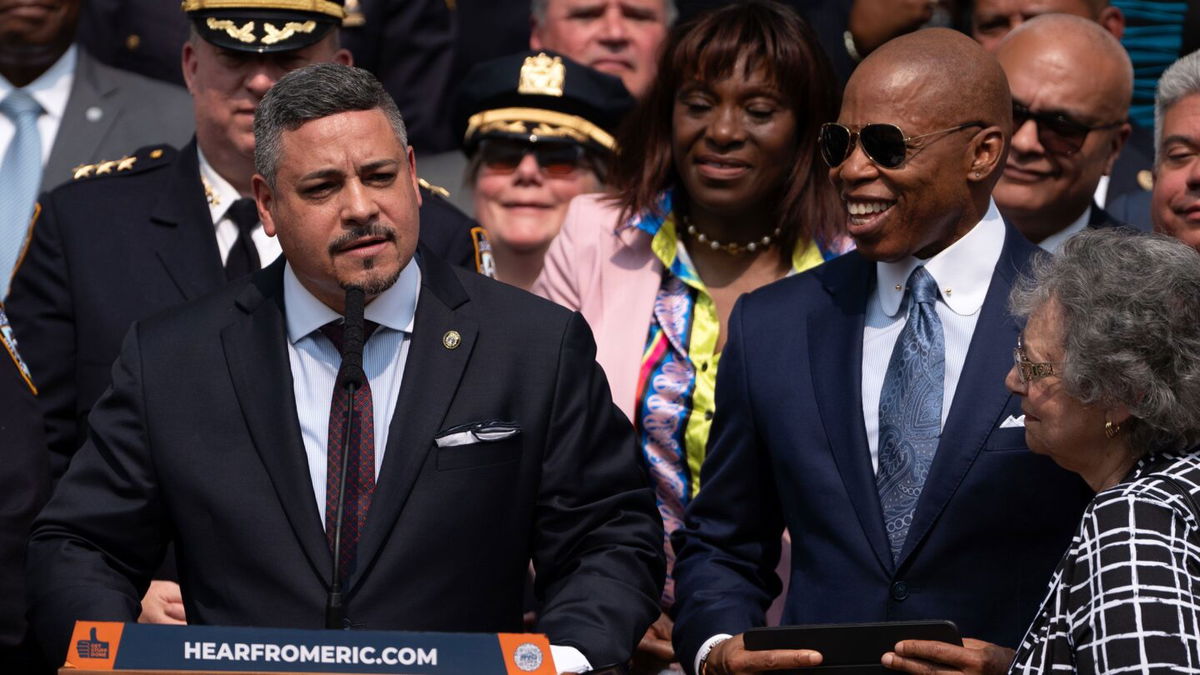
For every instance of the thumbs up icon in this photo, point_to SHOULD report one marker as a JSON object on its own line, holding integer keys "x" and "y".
{"x": 92, "y": 648}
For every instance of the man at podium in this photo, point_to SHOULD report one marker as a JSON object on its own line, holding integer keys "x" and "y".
{"x": 477, "y": 434}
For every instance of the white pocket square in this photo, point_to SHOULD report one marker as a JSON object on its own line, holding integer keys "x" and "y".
{"x": 1013, "y": 422}
{"x": 477, "y": 432}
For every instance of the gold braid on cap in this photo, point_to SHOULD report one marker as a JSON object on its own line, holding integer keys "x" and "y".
{"x": 316, "y": 6}
{"x": 538, "y": 122}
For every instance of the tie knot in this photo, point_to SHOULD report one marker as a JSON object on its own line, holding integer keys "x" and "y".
{"x": 922, "y": 286}
{"x": 336, "y": 331}
{"x": 244, "y": 214}
{"x": 19, "y": 104}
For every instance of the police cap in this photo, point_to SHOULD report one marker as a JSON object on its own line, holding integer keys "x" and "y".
{"x": 540, "y": 95}
{"x": 264, "y": 26}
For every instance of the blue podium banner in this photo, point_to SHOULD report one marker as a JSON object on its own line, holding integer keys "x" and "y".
{"x": 103, "y": 646}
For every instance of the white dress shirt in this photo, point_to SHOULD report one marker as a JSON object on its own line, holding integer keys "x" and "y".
{"x": 51, "y": 90}
{"x": 315, "y": 363}
{"x": 222, "y": 195}
{"x": 963, "y": 272}
{"x": 1055, "y": 241}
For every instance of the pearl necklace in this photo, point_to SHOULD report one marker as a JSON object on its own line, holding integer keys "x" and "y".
{"x": 732, "y": 248}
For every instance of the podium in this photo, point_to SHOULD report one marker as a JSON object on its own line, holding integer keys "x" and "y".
{"x": 108, "y": 647}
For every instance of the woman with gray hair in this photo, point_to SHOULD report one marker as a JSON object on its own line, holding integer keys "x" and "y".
{"x": 1108, "y": 368}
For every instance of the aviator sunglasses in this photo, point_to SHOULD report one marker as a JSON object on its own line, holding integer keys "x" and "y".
{"x": 884, "y": 144}
{"x": 1057, "y": 132}
{"x": 556, "y": 159}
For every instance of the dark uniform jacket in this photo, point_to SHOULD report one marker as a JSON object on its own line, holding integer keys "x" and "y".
{"x": 24, "y": 487}
{"x": 118, "y": 247}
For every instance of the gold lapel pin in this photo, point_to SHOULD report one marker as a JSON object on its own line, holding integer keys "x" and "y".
{"x": 451, "y": 340}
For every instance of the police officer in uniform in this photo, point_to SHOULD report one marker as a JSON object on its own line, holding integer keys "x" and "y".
{"x": 24, "y": 487}
{"x": 147, "y": 231}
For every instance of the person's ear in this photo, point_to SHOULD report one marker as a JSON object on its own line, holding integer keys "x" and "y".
{"x": 1112, "y": 20}
{"x": 986, "y": 152}
{"x": 1116, "y": 143}
{"x": 535, "y": 35}
{"x": 412, "y": 174}
{"x": 189, "y": 62}
{"x": 264, "y": 197}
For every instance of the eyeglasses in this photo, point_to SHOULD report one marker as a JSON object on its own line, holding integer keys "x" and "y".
{"x": 1028, "y": 371}
{"x": 884, "y": 144}
{"x": 556, "y": 159}
{"x": 1057, "y": 132}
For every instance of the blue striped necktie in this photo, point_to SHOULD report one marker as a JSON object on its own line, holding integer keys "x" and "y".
{"x": 20, "y": 175}
{"x": 910, "y": 410}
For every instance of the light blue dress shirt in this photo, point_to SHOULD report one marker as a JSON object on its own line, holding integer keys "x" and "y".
{"x": 315, "y": 363}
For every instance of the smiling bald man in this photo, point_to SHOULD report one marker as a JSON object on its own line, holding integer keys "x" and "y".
{"x": 861, "y": 405}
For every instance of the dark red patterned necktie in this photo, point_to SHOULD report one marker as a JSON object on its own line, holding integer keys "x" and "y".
{"x": 360, "y": 465}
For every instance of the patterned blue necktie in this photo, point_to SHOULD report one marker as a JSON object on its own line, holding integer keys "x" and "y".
{"x": 910, "y": 410}
{"x": 20, "y": 175}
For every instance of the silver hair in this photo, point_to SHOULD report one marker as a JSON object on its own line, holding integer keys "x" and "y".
{"x": 1178, "y": 82}
{"x": 1129, "y": 310}
{"x": 310, "y": 93}
{"x": 537, "y": 9}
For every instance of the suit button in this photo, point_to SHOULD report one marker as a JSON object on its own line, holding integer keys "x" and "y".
{"x": 899, "y": 591}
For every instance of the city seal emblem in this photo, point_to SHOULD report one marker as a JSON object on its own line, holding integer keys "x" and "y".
{"x": 528, "y": 657}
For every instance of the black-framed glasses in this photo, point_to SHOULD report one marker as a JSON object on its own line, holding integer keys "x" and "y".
{"x": 502, "y": 155}
{"x": 1028, "y": 371}
{"x": 884, "y": 144}
{"x": 1058, "y": 133}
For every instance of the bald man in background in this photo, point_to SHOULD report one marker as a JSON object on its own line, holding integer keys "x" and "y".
{"x": 991, "y": 20}
{"x": 894, "y": 515}
{"x": 1128, "y": 185}
{"x": 1067, "y": 129}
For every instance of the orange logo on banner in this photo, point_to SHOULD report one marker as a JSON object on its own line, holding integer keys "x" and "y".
{"x": 526, "y": 653}
{"x": 94, "y": 645}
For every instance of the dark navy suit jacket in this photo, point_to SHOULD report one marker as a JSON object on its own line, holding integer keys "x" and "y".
{"x": 789, "y": 449}
{"x": 198, "y": 441}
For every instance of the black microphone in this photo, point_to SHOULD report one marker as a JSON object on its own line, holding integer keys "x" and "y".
{"x": 350, "y": 377}
{"x": 351, "y": 371}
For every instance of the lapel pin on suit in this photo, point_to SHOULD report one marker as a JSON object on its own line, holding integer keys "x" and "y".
{"x": 451, "y": 340}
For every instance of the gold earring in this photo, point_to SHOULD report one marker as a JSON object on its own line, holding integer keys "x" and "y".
{"x": 1111, "y": 430}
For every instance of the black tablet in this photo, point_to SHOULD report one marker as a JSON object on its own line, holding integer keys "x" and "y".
{"x": 851, "y": 648}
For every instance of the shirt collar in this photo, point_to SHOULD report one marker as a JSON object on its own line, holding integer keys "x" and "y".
{"x": 963, "y": 270}
{"x": 1055, "y": 241}
{"x": 219, "y": 192}
{"x": 395, "y": 308}
{"x": 52, "y": 88}
{"x": 652, "y": 220}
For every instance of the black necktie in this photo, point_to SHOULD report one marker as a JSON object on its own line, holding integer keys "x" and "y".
{"x": 243, "y": 257}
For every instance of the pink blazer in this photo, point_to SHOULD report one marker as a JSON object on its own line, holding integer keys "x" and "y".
{"x": 612, "y": 279}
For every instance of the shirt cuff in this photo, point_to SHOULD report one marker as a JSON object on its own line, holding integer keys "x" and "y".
{"x": 708, "y": 647}
{"x": 569, "y": 660}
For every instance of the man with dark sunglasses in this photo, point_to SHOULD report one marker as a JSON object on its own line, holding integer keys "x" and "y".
{"x": 1068, "y": 129}
{"x": 862, "y": 405}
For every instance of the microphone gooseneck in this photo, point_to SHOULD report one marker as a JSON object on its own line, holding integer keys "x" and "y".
{"x": 350, "y": 377}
